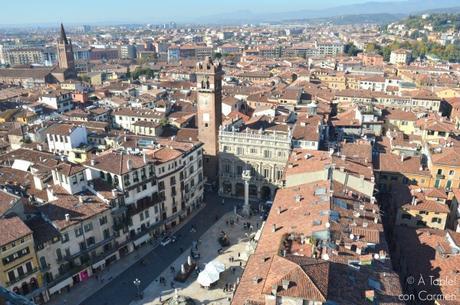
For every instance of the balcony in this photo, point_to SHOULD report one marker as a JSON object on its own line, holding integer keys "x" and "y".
{"x": 21, "y": 277}
{"x": 88, "y": 248}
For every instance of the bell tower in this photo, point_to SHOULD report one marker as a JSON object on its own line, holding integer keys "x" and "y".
{"x": 65, "y": 55}
{"x": 209, "y": 113}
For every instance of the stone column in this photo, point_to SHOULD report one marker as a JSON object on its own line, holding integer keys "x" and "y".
{"x": 246, "y": 176}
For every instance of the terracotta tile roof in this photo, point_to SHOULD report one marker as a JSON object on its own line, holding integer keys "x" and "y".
{"x": 347, "y": 118}
{"x": 358, "y": 151}
{"x": 306, "y": 210}
{"x": 427, "y": 253}
{"x": 6, "y": 201}
{"x": 389, "y": 162}
{"x": 301, "y": 161}
{"x": 69, "y": 169}
{"x": 187, "y": 134}
{"x": 416, "y": 198}
{"x": 61, "y": 129}
{"x": 398, "y": 114}
{"x": 116, "y": 163}
{"x": 80, "y": 207}
{"x": 307, "y": 129}
{"x": 436, "y": 123}
{"x": 428, "y": 205}
{"x": 164, "y": 154}
{"x": 12, "y": 229}
{"x": 448, "y": 156}
{"x": 307, "y": 278}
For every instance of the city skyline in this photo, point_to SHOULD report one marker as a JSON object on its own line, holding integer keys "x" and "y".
{"x": 105, "y": 12}
{"x": 230, "y": 153}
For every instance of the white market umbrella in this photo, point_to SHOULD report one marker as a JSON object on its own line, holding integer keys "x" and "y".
{"x": 215, "y": 266}
{"x": 206, "y": 278}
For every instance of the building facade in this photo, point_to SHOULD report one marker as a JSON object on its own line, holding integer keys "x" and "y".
{"x": 264, "y": 153}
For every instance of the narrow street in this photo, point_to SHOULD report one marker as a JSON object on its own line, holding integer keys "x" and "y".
{"x": 121, "y": 290}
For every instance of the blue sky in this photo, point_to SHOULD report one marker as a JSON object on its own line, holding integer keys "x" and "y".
{"x": 153, "y": 11}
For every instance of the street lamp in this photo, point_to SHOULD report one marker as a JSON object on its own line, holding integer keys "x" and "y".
{"x": 137, "y": 283}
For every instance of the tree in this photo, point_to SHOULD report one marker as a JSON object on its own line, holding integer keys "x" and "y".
{"x": 217, "y": 55}
{"x": 143, "y": 71}
{"x": 164, "y": 122}
{"x": 351, "y": 50}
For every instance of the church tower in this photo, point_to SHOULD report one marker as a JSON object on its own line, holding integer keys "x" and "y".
{"x": 209, "y": 113}
{"x": 65, "y": 55}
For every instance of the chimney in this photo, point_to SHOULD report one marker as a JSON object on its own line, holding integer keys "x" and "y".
{"x": 402, "y": 157}
{"x": 80, "y": 199}
{"x": 274, "y": 290}
{"x": 129, "y": 164}
{"x": 93, "y": 162}
{"x": 39, "y": 147}
{"x": 144, "y": 157}
{"x": 285, "y": 284}
{"x": 279, "y": 210}
{"x": 414, "y": 200}
{"x": 342, "y": 157}
{"x": 114, "y": 192}
{"x": 67, "y": 217}
{"x": 274, "y": 228}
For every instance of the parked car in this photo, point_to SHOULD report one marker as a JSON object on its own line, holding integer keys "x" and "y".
{"x": 167, "y": 240}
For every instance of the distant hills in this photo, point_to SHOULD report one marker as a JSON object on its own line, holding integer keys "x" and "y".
{"x": 381, "y": 12}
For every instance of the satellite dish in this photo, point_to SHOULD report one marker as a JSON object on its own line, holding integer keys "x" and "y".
{"x": 352, "y": 236}
{"x": 327, "y": 224}
{"x": 376, "y": 256}
{"x": 325, "y": 257}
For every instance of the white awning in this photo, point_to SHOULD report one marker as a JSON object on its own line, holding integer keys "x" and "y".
{"x": 21, "y": 165}
{"x": 142, "y": 239}
{"x": 61, "y": 285}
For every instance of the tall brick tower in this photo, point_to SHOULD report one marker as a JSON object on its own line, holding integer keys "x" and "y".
{"x": 65, "y": 55}
{"x": 209, "y": 113}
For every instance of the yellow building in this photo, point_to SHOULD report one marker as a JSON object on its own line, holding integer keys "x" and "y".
{"x": 80, "y": 154}
{"x": 392, "y": 169}
{"x": 6, "y": 116}
{"x": 399, "y": 162}
{"x": 336, "y": 80}
{"x": 19, "y": 270}
{"x": 444, "y": 165}
{"x": 435, "y": 128}
{"x": 404, "y": 121}
{"x": 425, "y": 208}
{"x": 25, "y": 117}
{"x": 446, "y": 93}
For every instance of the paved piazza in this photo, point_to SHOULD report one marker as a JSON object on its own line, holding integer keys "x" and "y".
{"x": 156, "y": 292}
